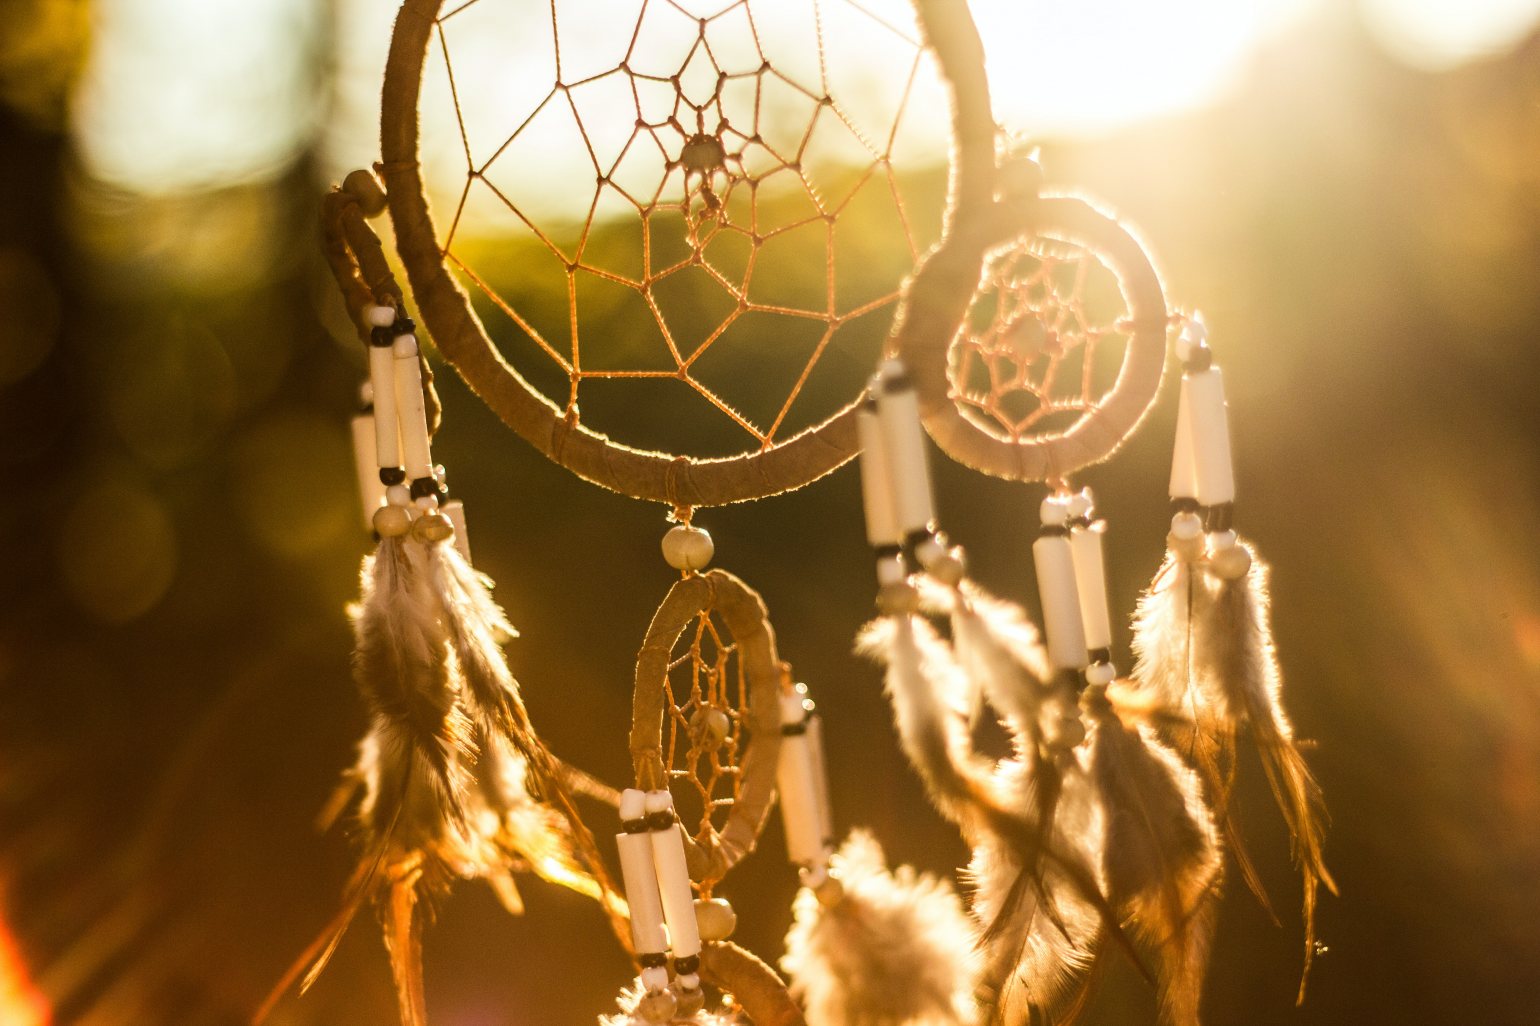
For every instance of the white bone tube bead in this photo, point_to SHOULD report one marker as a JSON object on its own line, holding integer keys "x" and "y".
{"x": 1184, "y": 476}
{"x": 387, "y": 435}
{"x": 1209, "y": 429}
{"x": 454, "y": 509}
{"x": 417, "y": 453}
{"x": 821, "y": 775}
{"x": 371, "y": 491}
{"x": 795, "y": 780}
{"x": 898, "y": 411}
{"x": 1057, "y": 588}
{"x": 876, "y": 479}
{"x": 673, "y": 879}
{"x": 640, "y": 878}
{"x": 1091, "y": 582}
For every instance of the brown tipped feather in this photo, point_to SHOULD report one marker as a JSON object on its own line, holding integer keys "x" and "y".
{"x": 1168, "y": 691}
{"x": 403, "y": 941}
{"x": 1238, "y": 652}
{"x": 1163, "y": 860}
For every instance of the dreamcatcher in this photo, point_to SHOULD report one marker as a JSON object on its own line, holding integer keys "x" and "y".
{"x": 712, "y": 180}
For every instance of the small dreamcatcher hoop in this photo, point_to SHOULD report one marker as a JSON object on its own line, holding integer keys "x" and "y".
{"x": 716, "y": 164}
{"x": 709, "y": 717}
{"x": 1072, "y": 281}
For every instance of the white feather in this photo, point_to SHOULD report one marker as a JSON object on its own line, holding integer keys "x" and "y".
{"x": 1034, "y": 955}
{"x": 894, "y": 950}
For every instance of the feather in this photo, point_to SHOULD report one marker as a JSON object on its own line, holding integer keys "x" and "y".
{"x": 1162, "y": 856}
{"x": 998, "y": 811}
{"x": 1235, "y": 656}
{"x": 403, "y": 942}
{"x": 1039, "y": 934}
{"x": 629, "y": 1013}
{"x": 927, "y": 690}
{"x": 560, "y": 847}
{"x": 894, "y": 950}
{"x": 1168, "y": 690}
{"x": 401, "y": 665}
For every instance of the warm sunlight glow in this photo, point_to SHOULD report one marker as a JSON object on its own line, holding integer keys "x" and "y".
{"x": 1075, "y": 69}
{"x": 1437, "y": 34}
{"x": 190, "y": 94}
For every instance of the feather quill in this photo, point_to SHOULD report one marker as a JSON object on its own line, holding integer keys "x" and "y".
{"x": 895, "y": 949}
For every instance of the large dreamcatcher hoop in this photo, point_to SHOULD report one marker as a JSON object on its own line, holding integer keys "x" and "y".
{"x": 713, "y": 169}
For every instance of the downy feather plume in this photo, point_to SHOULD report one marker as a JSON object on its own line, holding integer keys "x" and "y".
{"x": 450, "y": 769}
{"x": 894, "y": 950}
{"x": 1162, "y": 856}
{"x": 1168, "y": 691}
{"x": 1206, "y": 661}
{"x": 1234, "y": 640}
{"x": 1038, "y": 935}
{"x": 1033, "y": 923}
{"x": 564, "y": 851}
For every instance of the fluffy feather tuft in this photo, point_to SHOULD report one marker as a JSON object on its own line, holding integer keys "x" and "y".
{"x": 1235, "y": 639}
{"x": 628, "y": 1012}
{"x": 1163, "y": 860}
{"x": 894, "y": 950}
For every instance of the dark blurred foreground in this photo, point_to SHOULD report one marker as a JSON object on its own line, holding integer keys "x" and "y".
{"x": 181, "y": 540}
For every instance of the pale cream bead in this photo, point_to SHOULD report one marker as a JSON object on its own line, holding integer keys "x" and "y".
{"x": 392, "y": 521}
{"x": 1231, "y": 564}
{"x": 432, "y": 527}
{"x": 688, "y": 548}
{"x": 715, "y": 918}
{"x": 658, "y": 1006}
{"x": 1100, "y": 674}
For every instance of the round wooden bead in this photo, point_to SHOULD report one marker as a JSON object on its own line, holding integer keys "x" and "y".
{"x": 1054, "y": 511}
{"x": 398, "y": 495}
{"x": 1231, "y": 564}
{"x": 688, "y": 1000}
{"x": 432, "y": 527}
{"x": 715, "y": 919}
{"x": 710, "y": 726}
{"x": 658, "y": 1006}
{"x": 364, "y": 187}
{"x": 688, "y": 548}
{"x": 392, "y": 521}
{"x": 950, "y": 567}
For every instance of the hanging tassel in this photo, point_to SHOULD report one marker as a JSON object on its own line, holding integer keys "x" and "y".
{"x": 890, "y": 948}
{"x": 1163, "y": 860}
{"x": 1206, "y": 665}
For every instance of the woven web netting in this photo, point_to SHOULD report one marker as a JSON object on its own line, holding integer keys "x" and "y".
{"x": 704, "y": 735}
{"x": 686, "y": 223}
{"x": 1043, "y": 341}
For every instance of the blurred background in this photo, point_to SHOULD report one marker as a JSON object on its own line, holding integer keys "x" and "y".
{"x": 1349, "y": 190}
